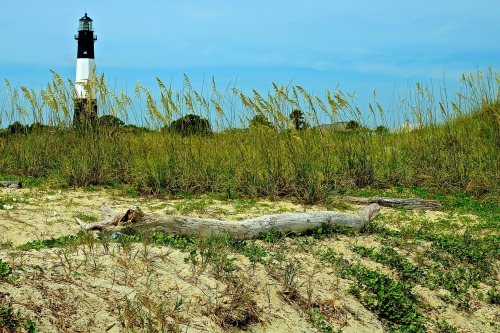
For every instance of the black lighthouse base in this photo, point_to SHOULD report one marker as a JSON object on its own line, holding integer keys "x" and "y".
{"x": 85, "y": 112}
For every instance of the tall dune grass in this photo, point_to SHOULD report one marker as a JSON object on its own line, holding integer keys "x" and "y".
{"x": 454, "y": 144}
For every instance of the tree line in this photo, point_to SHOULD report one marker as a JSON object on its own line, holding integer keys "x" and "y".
{"x": 190, "y": 124}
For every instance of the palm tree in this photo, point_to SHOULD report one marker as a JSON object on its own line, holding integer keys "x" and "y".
{"x": 298, "y": 120}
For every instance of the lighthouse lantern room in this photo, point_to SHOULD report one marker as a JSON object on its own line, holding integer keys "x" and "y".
{"x": 85, "y": 106}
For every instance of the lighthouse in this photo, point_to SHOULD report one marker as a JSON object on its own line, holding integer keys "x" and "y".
{"x": 85, "y": 106}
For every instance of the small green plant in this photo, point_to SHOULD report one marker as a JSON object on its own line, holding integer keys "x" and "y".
{"x": 389, "y": 256}
{"x": 255, "y": 253}
{"x": 224, "y": 266}
{"x": 493, "y": 296}
{"x": 12, "y": 321}
{"x": 325, "y": 231}
{"x": 392, "y": 301}
{"x": 51, "y": 243}
{"x": 6, "y": 202}
{"x": 272, "y": 236}
{"x": 318, "y": 321}
{"x": 182, "y": 243}
{"x": 443, "y": 327}
{"x": 5, "y": 271}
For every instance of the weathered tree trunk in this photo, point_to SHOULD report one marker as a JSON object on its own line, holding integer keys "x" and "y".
{"x": 245, "y": 229}
{"x": 10, "y": 183}
{"x": 408, "y": 203}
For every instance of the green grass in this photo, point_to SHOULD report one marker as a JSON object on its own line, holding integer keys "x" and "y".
{"x": 455, "y": 147}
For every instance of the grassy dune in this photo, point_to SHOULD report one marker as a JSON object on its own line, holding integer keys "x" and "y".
{"x": 407, "y": 272}
{"x": 453, "y": 147}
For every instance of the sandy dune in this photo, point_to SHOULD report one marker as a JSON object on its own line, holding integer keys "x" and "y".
{"x": 115, "y": 287}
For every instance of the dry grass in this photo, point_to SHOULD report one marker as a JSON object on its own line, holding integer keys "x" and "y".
{"x": 453, "y": 147}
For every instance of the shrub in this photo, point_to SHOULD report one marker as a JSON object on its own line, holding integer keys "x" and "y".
{"x": 353, "y": 125}
{"x": 109, "y": 120}
{"x": 190, "y": 124}
{"x": 381, "y": 130}
{"x": 260, "y": 120}
{"x": 17, "y": 128}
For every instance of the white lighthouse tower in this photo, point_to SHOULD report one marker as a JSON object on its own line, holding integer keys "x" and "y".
{"x": 85, "y": 106}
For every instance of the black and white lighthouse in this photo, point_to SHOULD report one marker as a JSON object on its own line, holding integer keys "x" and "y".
{"x": 85, "y": 104}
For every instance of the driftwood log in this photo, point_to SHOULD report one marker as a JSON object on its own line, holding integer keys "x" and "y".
{"x": 10, "y": 183}
{"x": 245, "y": 229}
{"x": 407, "y": 203}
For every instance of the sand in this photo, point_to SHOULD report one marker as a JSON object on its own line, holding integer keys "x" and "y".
{"x": 125, "y": 287}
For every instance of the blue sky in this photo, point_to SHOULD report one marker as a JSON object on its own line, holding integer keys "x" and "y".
{"x": 359, "y": 46}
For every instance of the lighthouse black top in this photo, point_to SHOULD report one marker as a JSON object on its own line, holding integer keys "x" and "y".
{"x": 85, "y": 38}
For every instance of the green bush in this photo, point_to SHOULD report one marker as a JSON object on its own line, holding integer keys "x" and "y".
{"x": 190, "y": 124}
{"x": 5, "y": 270}
{"x": 260, "y": 120}
{"x": 109, "y": 120}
